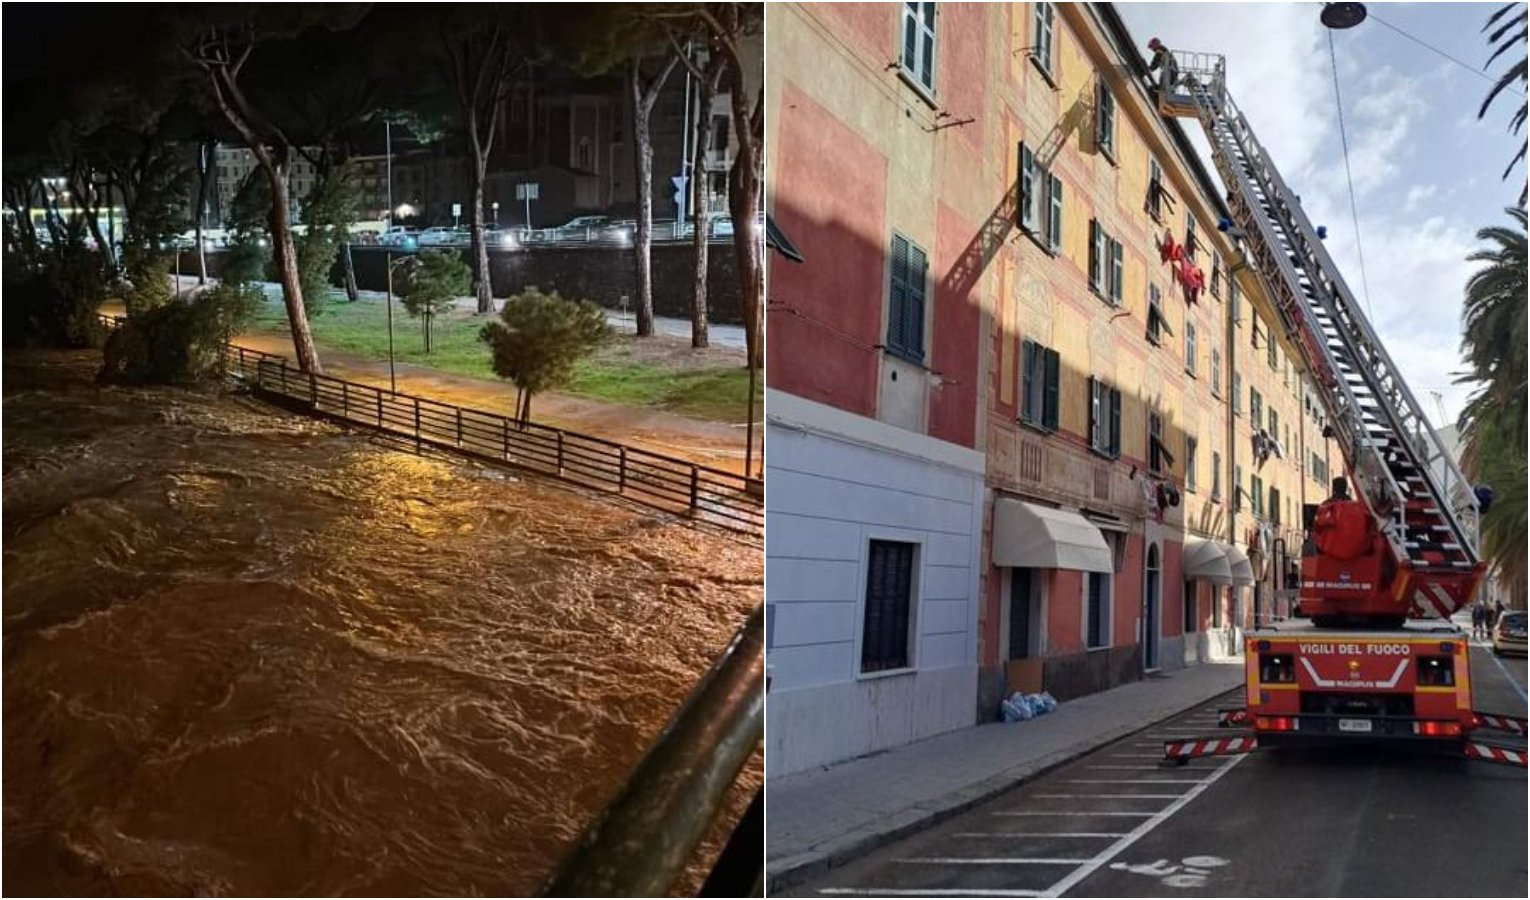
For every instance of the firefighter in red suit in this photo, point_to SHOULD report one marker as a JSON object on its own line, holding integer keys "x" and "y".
{"x": 1343, "y": 528}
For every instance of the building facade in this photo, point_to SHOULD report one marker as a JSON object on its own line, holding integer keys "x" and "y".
{"x": 1009, "y": 250}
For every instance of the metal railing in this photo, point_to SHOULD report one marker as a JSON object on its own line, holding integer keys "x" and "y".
{"x": 665, "y": 483}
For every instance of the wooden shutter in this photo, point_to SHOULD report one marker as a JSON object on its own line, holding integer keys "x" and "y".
{"x": 897, "y": 294}
{"x": 914, "y": 324}
{"x": 1095, "y": 262}
{"x": 1027, "y": 378}
{"x": 1054, "y": 218}
{"x": 1115, "y": 422}
{"x": 1049, "y": 397}
{"x": 1094, "y": 413}
{"x": 1024, "y": 213}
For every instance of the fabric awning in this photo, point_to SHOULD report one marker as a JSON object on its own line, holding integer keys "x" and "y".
{"x": 1237, "y": 562}
{"x": 777, "y": 239}
{"x": 1206, "y": 560}
{"x": 1031, "y": 536}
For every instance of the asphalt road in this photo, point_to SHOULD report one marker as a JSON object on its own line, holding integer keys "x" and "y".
{"x": 1271, "y": 824}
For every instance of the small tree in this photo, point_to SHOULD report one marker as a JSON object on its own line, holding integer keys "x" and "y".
{"x": 431, "y": 281}
{"x": 328, "y": 212}
{"x": 539, "y": 339}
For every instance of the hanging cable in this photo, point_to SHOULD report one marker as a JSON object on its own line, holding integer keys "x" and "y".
{"x": 1478, "y": 72}
{"x": 1354, "y": 210}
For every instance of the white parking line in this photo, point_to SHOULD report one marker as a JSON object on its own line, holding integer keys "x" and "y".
{"x": 926, "y": 892}
{"x": 1106, "y": 796}
{"x": 1035, "y": 834}
{"x": 989, "y": 861}
{"x": 1130, "y": 768}
{"x": 1507, "y": 674}
{"x": 1137, "y": 833}
{"x": 1132, "y": 781}
{"x": 1070, "y": 813}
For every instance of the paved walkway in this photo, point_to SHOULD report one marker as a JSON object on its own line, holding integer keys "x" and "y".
{"x": 824, "y": 817}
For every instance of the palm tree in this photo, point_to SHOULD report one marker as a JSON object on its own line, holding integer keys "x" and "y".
{"x": 1493, "y": 423}
{"x": 1504, "y": 38}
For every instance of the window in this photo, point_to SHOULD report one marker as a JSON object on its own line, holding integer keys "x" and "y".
{"x": 1105, "y": 120}
{"x": 1272, "y": 349}
{"x": 1254, "y": 335}
{"x": 1105, "y": 266}
{"x": 1157, "y": 321}
{"x": 1255, "y": 408}
{"x": 1038, "y": 389}
{"x": 1190, "y": 447}
{"x": 1237, "y": 487}
{"x": 1216, "y": 274}
{"x": 1041, "y": 202}
{"x": 1044, "y": 39}
{"x": 1190, "y": 348}
{"x": 1237, "y": 394}
{"x": 1274, "y": 424}
{"x": 1159, "y": 456}
{"x": 1216, "y": 477}
{"x": 1274, "y": 506}
{"x": 1256, "y": 495}
{"x": 1104, "y": 418}
{"x": 887, "y": 627}
{"x": 1189, "y": 237}
{"x": 905, "y": 314}
{"x": 1235, "y": 299}
{"x": 1116, "y": 269}
{"x": 1097, "y": 604}
{"x": 919, "y": 44}
{"x": 1216, "y": 372}
{"x": 1156, "y": 192}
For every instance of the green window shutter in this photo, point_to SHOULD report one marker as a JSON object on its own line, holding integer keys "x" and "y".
{"x": 1028, "y": 369}
{"x": 914, "y": 325}
{"x": 1054, "y": 220}
{"x": 1095, "y": 262}
{"x": 1049, "y": 400}
{"x": 1115, "y": 423}
{"x": 1094, "y": 412}
{"x": 897, "y": 312}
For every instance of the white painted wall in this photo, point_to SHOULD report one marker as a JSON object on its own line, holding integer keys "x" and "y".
{"x": 837, "y": 482}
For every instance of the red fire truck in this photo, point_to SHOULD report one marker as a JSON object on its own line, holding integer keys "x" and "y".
{"x": 1374, "y": 656}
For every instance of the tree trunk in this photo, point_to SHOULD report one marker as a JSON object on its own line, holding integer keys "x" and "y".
{"x": 204, "y": 170}
{"x": 483, "y": 284}
{"x": 642, "y": 242}
{"x": 743, "y": 199}
{"x": 285, "y": 257}
{"x": 352, "y": 292}
{"x": 700, "y": 215}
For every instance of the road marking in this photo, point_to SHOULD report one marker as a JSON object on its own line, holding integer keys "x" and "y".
{"x": 1132, "y": 768}
{"x": 989, "y": 861}
{"x": 1132, "y": 781}
{"x": 927, "y": 892}
{"x": 1107, "y": 796}
{"x": 1137, "y": 833}
{"x": 1512, "y": 683}
{"x": 1035, "y": 813}
{"x": 1047, "y": 834}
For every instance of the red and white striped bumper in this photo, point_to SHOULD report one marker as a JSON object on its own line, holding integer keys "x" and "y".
{"x": 1178, "y": 750}
{"x": 1227, "y": 718}
{"x": 1511, "y": 724}
{"x": 1490, "y": 753}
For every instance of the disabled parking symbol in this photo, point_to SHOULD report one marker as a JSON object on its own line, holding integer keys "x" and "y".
{"x": 1190, "y": 872}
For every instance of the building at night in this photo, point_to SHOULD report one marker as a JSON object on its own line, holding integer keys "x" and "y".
{"x": 1029, "y": 425}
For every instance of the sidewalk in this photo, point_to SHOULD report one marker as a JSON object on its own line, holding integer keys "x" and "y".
{"x": 825, "y": 817}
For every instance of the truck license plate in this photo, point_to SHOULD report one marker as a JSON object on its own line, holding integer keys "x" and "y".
{"x": 1356, "y": 725}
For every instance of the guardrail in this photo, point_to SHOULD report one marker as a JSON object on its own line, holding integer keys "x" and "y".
{"x": 664, "y": 483}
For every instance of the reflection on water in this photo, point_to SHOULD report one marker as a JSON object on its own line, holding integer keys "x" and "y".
{"x": 246, "y": 653}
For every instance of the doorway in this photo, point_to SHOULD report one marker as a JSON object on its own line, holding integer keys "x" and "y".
{"x": 1150, "y": 611}
{"x": 1022, "y": 613}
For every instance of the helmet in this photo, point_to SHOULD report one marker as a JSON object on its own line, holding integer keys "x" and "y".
{"x": 1154, "y": 44}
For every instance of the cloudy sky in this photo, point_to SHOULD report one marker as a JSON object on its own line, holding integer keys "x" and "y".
{"x": 1426, "y": 171}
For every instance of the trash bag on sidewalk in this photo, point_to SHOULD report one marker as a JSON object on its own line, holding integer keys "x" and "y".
{"x": 1021, "y": 707}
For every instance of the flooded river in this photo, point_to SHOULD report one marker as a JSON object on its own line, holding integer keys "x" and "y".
{"x": 247, "y": 653}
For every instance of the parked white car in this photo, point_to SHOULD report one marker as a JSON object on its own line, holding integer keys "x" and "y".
{"x": 437, "y": 236}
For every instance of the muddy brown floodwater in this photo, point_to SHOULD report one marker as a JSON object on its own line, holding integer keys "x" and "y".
{"x": 247, "y": 653}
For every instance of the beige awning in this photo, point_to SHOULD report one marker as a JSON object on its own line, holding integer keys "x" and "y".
{"x": 1206, "y": 560}
{"x": 1040, "y": 537}
{"x": 1237, "y": 561}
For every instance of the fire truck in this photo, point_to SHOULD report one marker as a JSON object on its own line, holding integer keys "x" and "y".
{"x": 1373, "y": 656}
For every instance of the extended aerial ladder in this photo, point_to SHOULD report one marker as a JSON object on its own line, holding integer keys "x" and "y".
{"x": 1425, "y": 509}
{"x": 1359, "y": 666}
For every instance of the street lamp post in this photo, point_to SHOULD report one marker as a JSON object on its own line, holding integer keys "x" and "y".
{"x": 495, "y": 206}
{"x": 392, "y": 376}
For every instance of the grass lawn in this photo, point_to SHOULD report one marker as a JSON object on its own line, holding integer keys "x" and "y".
{"x": 662, "y": 373}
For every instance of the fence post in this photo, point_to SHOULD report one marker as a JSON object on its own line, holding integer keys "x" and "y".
{"x": 560, "y": 452}
{"x": 459, "y": 426}
{"x": 695, "y": 488}
{"x": 284, "y": 377}
{"x": 345, "y": 399}
{"x": 621, "y": 483}
{"x": 417, "y": 445}
{"x": 379, "y": 410}
{"x": 313, "y": 391}
{"x": 505, "y": 424}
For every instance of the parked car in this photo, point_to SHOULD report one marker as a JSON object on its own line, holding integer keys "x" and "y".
{"x": 437, "y": 236}
{"x": 403, "y": 236}
{"x": 1509, "y": 634}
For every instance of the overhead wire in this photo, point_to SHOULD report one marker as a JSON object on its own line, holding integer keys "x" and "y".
{"x": 1354, "y": 210}
{"x": 1428, "y": 46}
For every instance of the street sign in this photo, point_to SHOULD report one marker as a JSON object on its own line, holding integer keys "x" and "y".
{"x": 456, "y": 209}
{"x": 528, "y": 191}
{"x": 679, "y": 182}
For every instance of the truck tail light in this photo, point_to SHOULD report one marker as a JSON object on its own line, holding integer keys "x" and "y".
{"x": 1437, "y": 729}
{"x": 1436, "y": 671}
{"x": 1274, "y": 723}
{"x": 1277, "y": 668}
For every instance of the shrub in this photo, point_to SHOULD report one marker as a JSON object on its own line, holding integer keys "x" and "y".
{"x": 430, "y": 283}
{"x": 179, "y": 342}
{"x": 55, "y": 302}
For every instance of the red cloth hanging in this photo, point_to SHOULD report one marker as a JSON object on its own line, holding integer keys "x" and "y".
{"x": 1168, "y": 251}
